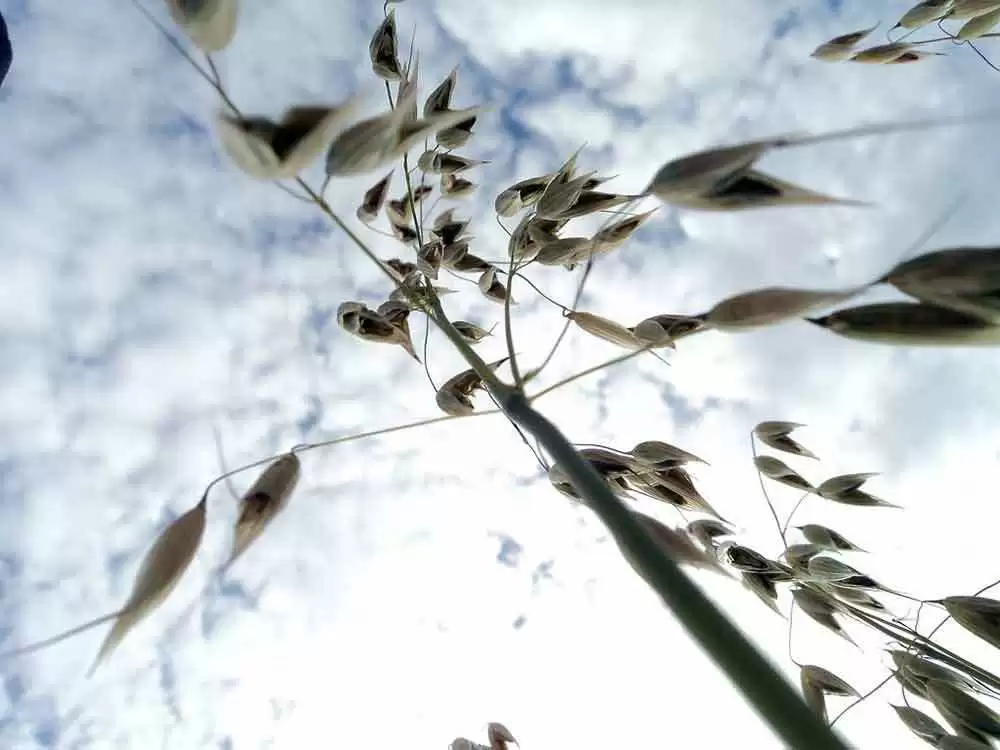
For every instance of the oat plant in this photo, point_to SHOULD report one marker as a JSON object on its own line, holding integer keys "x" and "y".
{"x": 419, "y": 151}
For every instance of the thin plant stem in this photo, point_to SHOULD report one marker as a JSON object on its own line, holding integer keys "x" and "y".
{"x": 762, "y": 685}
{"x": 767, "y": 498}
{"x": 589, "y": 371}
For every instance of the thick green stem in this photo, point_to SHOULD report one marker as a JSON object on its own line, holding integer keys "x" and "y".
{"x": 763, "y": 686}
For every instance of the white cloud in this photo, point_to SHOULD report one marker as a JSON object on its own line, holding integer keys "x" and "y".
{"x": 151, "y": 291}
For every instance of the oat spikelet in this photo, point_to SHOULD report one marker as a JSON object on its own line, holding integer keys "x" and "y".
{"x": 159, "y": 574}
{"x": 261, "y": 504}
{"x": 209, "y": 24}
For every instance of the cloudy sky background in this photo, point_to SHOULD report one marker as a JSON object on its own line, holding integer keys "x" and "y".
{"x": 423, "y": 584}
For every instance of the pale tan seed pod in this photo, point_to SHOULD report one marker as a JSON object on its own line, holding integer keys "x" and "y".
{"x": 605, "y": 329}
{"x": 429, "y": 258}
{"x": 707, "y": 530}
{"x": 846, "y": 489}
{"x": 839, "y": 48}
{"x": 779, "y": 471}
{"x": 961, "y": 710}
{"x": 763, "y": 588}
{"x": 262, "y": 503}
{"x": 456, "y": 136}
{"x": 829, "y": 569}
{"x": 370, "y": 144}
{"x": 962, "y": 10}
{"x": 799, "y": 555}
{"x": 776, "y": 434}
{"x": 454, "y": 397}
{"x": 763, "y": 307}
{"x": 560, "y": 196}
{"x": 508, "y": 203}
{"x": 592, "y": 202}
{"x": 978, "y": 614}
{"x": 374, "y": 199}
{"x": 857, "y": 597}
{"x": 273, "y": 151}
{"x": 651, "y": 333}
{"x": 922, "y": 725}
{"x": 826, "y": 538}
{"x": 470, "y": 263}
{"x": 957, "y": 742}
{"x": 882, "y": 53}
{"x": 446, "y": 163}
{"x": 924, "y": 13}
{"x": 462, "y": 743}
{"x": 492, "y": 288}
{"x": 439, "y": 100}
{"x": 819, "y": 609}
{"x": 910, "y": 324}
{"x": 209, "y": 24}
{"x": 813, "y": 679}
{"x": 675, "y": 326}
{"x": 367, "y": 325}
{"x": 660, "y": 455}
{"x": 456, "y": 187}
{"x": 383, "y": 50}
{"x": 160, "y": 572}
{"x": 916, "y": 671}
{"x": 672, "y": 485}
{"x": 556, "y": 252}
{"x": 956, "y": 272}
{"x": 754, "y": 189}
{"x": 676, "y": 543}
{"x": 747, "y": 560}
{"x": 499, "y": 736}
{"x": 615, "y": 234}
{"x": 472, "y": 333}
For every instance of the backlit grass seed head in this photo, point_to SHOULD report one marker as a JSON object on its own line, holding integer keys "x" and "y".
{"x": 951, "y": 272}
{"x": 439, "y": 100}
{"x": 881, "y": 53}
{"x": 839, "y": 48}
{"x": 777, "y": 435}
{"x": 827, "y": 538}
{"x": 429, "y": 258}
{"x": 763, "y": 588}
{"x": 957, "y": 742}
{"x": 456, "y": 136}
{"x": 764, "y": 307}
{"x": 676, "y": 543}
{"x": 160, "y": 572}
{"x": 270, "y": 150}
{"x": 924, "y": 13}
{"x": 707, "y": 530}
{"x": 820, "y": 610}
{"x": 661, "y": 455}
{"x": 492, "y": 288}
{"x": 779, "y": 471}
{"x": 262, "y": 503}
{"x": 209, "y": 24}
{"x": 963, "y": 711}
{"x": 383, "y": 50}
{"x": 372, "y": 143}
{"x": 910, "y": 324}
{"x": 499, "y": 736}
{"x": 962, "y": 10}
{"x": 605, "y": 329}
{"x": 675, "y": 326}
{"x": 374, "y": 199}
{"x": 754, "y": 189}
{"x": 436, "y": 162}
{"x": 367, "y": 325}
{"x": 922, "y": 725}
{"x": 454, "y": 397}
{"x": 977, "y": 614}
{"x": 472, "y": 333}
{"x": 453, "y": 186}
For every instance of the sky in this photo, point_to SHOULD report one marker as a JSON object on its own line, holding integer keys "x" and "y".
{"x": 425, "y": 583}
